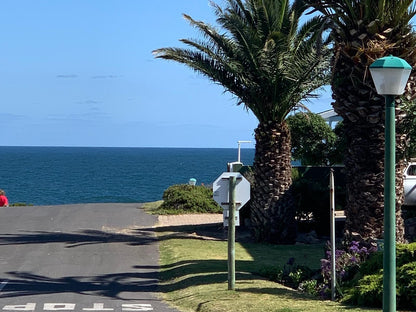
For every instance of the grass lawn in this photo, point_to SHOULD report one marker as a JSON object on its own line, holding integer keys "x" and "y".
{"x": 194, "y": 274}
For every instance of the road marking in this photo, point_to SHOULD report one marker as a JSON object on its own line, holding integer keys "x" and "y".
{"x": 20, "y": 307}
{"x": 98, "y": 307}
{"x": 3, "y": 284}
{"x": 58, "y": 306}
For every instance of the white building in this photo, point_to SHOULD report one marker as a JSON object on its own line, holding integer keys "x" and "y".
{"x": 330, "y": 116}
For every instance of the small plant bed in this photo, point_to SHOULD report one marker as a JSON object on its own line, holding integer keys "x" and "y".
{"x": 359, "y": 276}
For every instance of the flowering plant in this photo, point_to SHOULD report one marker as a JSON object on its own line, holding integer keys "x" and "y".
{"x": 347, "y": 263}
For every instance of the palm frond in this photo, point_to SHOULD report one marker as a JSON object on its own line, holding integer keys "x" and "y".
{"x": 261, "y": 56}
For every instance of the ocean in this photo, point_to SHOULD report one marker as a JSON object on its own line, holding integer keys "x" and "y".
{"x": 70, "y": 175}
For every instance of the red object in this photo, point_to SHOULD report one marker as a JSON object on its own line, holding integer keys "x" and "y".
{"x": 3, "y": 201}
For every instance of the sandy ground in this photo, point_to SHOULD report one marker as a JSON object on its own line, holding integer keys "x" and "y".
{"x": 189, "y": 219}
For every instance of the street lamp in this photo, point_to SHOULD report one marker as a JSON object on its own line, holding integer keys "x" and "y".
{"x": 239, "y": 147}
{"x": 390, "y": 75}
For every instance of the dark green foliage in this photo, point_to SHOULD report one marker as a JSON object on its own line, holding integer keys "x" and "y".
{"x": 367, "y": 287}
{"x": 406, "y": 253}
{"x": 313, "y": 140}
{"x": 311, "y": 191}
{"x": 406, "y": 281}
{"x": 340, "y": 145}
{"x": 368, "y": 291}
{"x": 373, "y": 265}
{"x": 312, "y": 201}
{"x": 409, "y": 127}
{"x": 292, "y": 274}
{"x": 184, "y": 198}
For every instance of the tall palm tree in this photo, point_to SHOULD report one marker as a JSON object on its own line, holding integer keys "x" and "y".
{"x": 364, "y": 30}
{"x": 270, "y": 63}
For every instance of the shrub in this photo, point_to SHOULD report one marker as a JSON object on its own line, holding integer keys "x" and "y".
{"x": 406, "y": 281}
{"x": 185, "y": 198}
{"x": 367, "y": 292}
{"x": 367, "y": 288}
{"x": 310, "y": 287}
{"x": 292, "y": 275}
{"x": 347, "y": 264}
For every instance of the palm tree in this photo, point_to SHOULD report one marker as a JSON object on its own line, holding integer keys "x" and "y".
{"x": 270, "y": 64}
{"x": 364, "y": 30}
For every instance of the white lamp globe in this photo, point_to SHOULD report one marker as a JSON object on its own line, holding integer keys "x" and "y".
{"x": 390, "y": 75}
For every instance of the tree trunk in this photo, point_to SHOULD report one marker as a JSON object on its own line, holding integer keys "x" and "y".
{"x": 272, "y": 205}
{"x": 363, "y": 111}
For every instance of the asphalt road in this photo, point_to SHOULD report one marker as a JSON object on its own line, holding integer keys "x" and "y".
{"x": 85, "y": 257}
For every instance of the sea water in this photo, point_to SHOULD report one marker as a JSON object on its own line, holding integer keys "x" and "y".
{"x": 69, "y": 175}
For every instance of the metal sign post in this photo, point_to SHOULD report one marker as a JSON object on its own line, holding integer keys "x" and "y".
{"x": 332, "y": 224}
{"x": 231, "y": 191}
{"x": 231, "y": 235}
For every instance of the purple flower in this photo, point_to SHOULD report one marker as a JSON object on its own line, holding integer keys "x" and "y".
{"x": 355, "y": 246}
{"x": 354, "y": 249}
{"x": 339, "y": 253}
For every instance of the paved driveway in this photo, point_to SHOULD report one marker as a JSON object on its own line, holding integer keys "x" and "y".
{"x": 85, "y": 257}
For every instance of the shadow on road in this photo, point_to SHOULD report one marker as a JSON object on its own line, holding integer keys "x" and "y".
{"x": 111, "y": 285}
{"x": 85, "y": 237}
{"x": 143, "y": 279}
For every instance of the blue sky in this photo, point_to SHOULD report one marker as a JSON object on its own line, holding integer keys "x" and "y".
{"x": 82, "y": 73}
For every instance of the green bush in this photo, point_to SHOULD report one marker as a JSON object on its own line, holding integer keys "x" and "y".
{"x": 292, "y": 275}
{"x": 406, "y": 281}
{"x": 367, "y": 288}
{"x": 20, "y": 204}
{"x": 368, "y": 291}
{"x": 185, "y": 198}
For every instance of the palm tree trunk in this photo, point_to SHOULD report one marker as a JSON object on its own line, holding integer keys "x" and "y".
{"x": 363, "y": 112}
{"x": 272, "y": 206}
{"x": 364, "y": 165}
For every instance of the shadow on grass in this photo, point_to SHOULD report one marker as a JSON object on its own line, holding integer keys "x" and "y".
{"x": 184, "y": 274}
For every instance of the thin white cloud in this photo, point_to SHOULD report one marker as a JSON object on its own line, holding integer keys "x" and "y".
{"x": 105, "y": 77}
{"x": 7, "y": 116}
{"x": 67, "y": 76}
{"x": 91, "y": 102}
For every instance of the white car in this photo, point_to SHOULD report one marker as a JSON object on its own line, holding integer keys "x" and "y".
{"x": 410, "y": 185}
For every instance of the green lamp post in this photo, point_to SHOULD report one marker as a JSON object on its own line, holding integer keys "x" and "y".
{"x": 390, "y": 75}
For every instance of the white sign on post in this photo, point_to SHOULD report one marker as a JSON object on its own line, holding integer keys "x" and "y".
{"x": 226, "y": 216}
{"x": 222, "y": 193}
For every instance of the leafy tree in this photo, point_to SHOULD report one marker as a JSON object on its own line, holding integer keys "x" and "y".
{"x": 364, "y": 30}
{"x": 409, "y": 127}
{"x": 313, "y": 140}
{"x": 263, "y": 56}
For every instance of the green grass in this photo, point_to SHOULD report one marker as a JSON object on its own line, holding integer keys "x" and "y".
{"x": 194, "y": 274}
{"x": 152, "y": 207}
